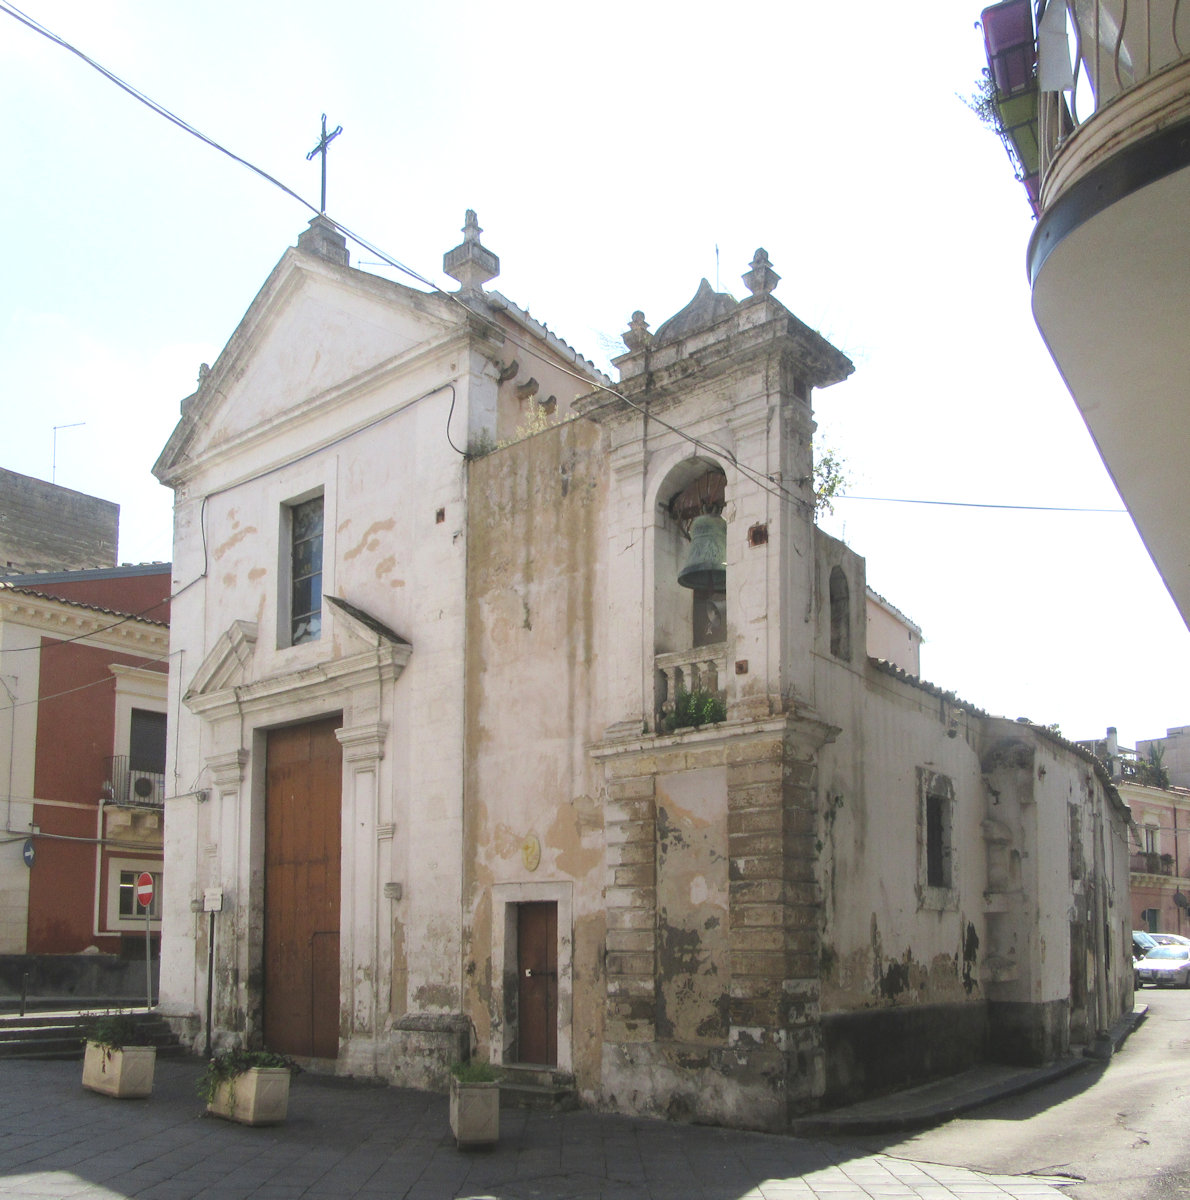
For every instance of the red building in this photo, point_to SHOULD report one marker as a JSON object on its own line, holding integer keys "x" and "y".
{"x": 84, "y": 661}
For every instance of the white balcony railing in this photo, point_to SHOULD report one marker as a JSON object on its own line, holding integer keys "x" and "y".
{"x": 1055, "y": 64}
{"x": 1113, "y": 46}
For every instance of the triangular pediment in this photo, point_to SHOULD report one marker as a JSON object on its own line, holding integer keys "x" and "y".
{"x": 229, "y": 663}
{"x": 317, "y": 333}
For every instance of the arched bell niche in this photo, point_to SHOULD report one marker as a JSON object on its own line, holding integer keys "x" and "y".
{"x": 690, "y": 582}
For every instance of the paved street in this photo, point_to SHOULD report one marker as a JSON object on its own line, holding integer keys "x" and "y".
{"x": 345, "y": 1139}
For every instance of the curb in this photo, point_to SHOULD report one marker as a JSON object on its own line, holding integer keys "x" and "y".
{"x": 903, "y": 1118}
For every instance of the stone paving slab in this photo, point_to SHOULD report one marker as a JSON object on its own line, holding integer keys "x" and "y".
{"x": 349, "y": 1140}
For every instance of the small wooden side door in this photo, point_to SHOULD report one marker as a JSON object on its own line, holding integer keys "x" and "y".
{"x": 537, "y": 983}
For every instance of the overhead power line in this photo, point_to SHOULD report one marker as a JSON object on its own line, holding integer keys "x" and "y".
{"x": 766, "y": 482}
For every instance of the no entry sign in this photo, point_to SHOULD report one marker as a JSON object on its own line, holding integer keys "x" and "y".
{"x": 144, "y": 889}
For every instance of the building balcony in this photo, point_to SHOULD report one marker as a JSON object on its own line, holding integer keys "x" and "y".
{"x": 1109, "y": 261}
{"x": 125, "y": 786}
{"x": 1146, "y": 862}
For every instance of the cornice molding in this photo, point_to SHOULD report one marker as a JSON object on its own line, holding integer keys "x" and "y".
{"x": 91, "y": 627}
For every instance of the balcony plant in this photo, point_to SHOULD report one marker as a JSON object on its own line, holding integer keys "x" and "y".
{"x": 248, "y": 1086}
{"x": 692, "y": 709}
{"x": 117, "y": 1061}
{"x": 474, "y": 1104}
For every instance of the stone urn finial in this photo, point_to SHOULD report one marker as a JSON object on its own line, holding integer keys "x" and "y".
{"x": 761, "y": 279}
{"x": 638, "y": 335}
{"x": 470, "y": 262}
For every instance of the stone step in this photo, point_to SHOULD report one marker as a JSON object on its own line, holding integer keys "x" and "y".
{"x": 540, "y": 1088}
{"x": 62, "y": 1035}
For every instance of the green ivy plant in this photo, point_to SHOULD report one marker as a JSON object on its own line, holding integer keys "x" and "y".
{"x": 692, "y": 709}
{"x": 227, "y": 1064}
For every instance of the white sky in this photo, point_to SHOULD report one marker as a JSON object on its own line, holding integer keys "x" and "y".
{"x": 607, "y": 149}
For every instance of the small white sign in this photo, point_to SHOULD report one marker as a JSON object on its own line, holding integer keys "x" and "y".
{"x": 212, "y": 900}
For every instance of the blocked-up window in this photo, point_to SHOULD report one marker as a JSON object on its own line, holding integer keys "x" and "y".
{"x": 840, "y": 596}
{"x": 937, "y": 841}
{"x": 936, "y": 849}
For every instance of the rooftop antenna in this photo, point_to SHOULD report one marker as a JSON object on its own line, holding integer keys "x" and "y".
{"x": 716, "y": 266}
{"x": 54, "y": 464}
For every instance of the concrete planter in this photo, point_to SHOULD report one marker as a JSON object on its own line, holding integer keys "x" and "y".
{"x": 126, "y": 1073}
{"x": 474, "y": 1113}
{"x": 258, "y": 1096}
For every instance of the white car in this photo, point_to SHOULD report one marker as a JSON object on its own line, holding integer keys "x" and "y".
{"x": 1165, "y": 966}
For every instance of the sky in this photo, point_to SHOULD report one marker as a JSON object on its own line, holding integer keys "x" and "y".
{"x": 616, "y": 154}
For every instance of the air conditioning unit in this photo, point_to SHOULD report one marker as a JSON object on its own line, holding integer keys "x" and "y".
{"x": 145, "y": 787}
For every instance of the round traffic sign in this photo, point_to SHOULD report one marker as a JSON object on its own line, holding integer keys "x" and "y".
{"x": 144, "y": 889}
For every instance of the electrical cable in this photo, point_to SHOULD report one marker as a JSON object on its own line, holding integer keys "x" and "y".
{"x": 765, "y": 482}
{"x": 974, "y": 504}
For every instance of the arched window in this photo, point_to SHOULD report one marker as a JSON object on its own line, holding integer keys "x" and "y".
{"x": 840, "y": 615}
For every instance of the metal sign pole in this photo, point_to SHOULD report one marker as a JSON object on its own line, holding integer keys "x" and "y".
{"x": 148, "y": 958}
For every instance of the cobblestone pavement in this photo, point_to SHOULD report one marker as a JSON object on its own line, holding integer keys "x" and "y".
{"x": 347, "y": 1139}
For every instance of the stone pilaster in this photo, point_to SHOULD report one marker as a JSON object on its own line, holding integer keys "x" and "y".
{"x": 630, "y": 822}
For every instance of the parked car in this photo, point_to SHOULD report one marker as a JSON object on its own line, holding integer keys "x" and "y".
{"x": 1165, "y": 966}
{"x": 1170, "y": 939}
{"x": 1142, "y": 943}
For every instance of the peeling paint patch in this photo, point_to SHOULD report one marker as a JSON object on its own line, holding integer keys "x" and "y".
{"x": 385, "y": 566}
{"x": 233, "y": 541}
{"x": 256, "y": 574}
{"x": 370, "y": 540}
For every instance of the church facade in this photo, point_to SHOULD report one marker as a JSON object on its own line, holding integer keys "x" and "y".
{"x": 529, "y": 716}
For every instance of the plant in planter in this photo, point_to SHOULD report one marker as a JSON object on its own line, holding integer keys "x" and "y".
{"x": 694, "y": 709}
{"x": 117, "y": 1062}
{"x": 474, "y": 1104}
{"x": 249, "y": 1086}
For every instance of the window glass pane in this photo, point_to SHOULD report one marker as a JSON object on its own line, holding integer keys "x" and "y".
{"x": 128, "y": 906}
{"x": 146, "y": 743}
{"x": 306, "y": 595}
{"x": 307, "y": 557}
{"x": 307, "y": 519}
{"x": 305, "y": 606}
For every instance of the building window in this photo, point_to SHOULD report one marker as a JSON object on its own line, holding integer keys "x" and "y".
{"x": 305, "y": 543}
{"x": 936, "y": 857}
{"x": 146, "y": 741}
{"x": 1152, "y": 918}
{"x": 840, "y": 595}
{"x": 1150, "y": 839}
{"x": 124, "y": 914}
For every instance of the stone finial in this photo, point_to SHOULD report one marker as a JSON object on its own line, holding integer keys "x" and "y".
{"x": 323, "y": 238}
{"x": 204, "y": 369}
{"x": 470, "y": 262}
{"x": 761, "y": 279}
{"x": 638, "y": 335}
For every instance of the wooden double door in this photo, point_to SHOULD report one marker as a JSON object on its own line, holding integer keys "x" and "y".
{"x": 303, "y": 802}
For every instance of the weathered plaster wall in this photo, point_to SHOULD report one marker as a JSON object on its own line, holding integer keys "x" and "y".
{"x": 534, "y": 821}
{"x": 891, "y": 636}
{"x": 893, "y": 948}
{"x": 374, "y": 444}
{"x": 44, "y": 527}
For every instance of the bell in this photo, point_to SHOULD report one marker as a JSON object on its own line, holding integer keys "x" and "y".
{"x": 706, "y": 564}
